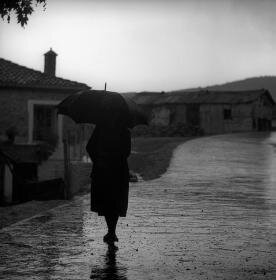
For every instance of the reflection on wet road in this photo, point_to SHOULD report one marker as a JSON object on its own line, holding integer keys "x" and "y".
{"x": 211, "y": 216}
{"x": 110, "y": 270}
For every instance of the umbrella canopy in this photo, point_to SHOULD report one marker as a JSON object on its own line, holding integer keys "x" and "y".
{"x": 102, "y": 107}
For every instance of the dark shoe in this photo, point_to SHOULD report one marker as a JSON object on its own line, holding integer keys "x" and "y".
{"x": 110, "y": 238}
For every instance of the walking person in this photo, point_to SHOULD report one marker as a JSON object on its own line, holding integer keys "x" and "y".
{"x": 109, "y": 148}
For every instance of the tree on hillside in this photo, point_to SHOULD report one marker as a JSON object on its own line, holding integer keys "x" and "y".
{"x": 22, "y": 9}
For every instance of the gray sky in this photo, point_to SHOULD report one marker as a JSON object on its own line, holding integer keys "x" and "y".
{"x": 148, "y": 45}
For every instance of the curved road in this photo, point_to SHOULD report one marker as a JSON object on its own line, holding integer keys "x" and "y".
{"x": 212, "y": 215}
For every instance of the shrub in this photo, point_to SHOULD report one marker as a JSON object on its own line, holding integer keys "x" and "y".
{"x": 175, "y": 130}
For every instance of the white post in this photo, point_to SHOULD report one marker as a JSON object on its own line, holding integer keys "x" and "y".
{"x": 8, "y": 182}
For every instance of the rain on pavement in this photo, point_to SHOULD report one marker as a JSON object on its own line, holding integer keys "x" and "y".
{"x": 212, "y": 215}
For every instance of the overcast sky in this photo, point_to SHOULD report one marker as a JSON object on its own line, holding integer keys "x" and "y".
{"x": 136, "y": 45}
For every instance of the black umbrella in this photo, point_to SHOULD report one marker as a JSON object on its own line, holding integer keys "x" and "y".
{"x": 102, "y": 107}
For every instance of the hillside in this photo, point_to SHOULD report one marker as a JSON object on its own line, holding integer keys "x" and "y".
{"x": 267, "y": 82}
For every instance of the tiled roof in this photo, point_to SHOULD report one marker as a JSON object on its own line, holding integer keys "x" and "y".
{"x": 200, "y": 97}
{"x": 14, "y": 75}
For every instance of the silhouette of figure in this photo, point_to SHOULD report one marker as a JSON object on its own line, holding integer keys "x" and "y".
{"x": 109, "y": 148}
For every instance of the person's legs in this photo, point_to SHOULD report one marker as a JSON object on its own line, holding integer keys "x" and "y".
{"x": 111, "y": 221}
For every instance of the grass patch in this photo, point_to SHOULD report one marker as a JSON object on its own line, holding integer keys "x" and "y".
{"x": 151, "y": 156}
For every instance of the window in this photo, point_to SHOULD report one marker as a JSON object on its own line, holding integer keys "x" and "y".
{"x": 227, "y": 114}
{"x": 45, "y": 122}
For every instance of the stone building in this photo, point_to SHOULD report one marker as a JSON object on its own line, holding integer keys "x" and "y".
{"x": 212, "y": 111}
{"x": 28, "y": 100}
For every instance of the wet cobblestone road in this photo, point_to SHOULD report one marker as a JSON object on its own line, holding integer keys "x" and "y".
{"x": 211, "y": 216}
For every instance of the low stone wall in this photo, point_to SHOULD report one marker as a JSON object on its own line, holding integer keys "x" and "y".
{"x": 51, "y": 169}
{"x": 79, "y": 176}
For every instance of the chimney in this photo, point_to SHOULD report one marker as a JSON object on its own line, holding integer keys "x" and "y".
{"x": 50, "y": 63}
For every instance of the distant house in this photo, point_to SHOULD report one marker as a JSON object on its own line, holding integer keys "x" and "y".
{"x": 212, "y": 111}
{"x": 27, "y": 108}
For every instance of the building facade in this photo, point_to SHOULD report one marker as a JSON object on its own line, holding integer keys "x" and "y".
{"x": 213, "y": 112}
{"x": 28, "y": 99}
{"x": 28, "y": 114}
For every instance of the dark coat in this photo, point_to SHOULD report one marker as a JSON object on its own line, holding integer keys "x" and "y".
{"x": 109, "y": 148}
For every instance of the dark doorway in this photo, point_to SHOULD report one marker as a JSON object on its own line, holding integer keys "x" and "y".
{"x": 264, "y": 125}
{"x": 23, "y": 173}
{"x": 254, "y": 124}
{"x": 192, "y": 114}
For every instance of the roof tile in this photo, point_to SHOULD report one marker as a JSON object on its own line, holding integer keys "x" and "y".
{"x": 200, "y": 97}
{"x": 15, "y": 75}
